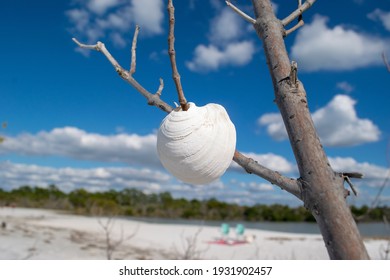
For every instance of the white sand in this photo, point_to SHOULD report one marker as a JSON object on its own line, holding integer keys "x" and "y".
{"x": 45, "y": 234}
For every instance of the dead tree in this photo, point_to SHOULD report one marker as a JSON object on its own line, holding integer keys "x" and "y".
{"x": 319, "y": 187}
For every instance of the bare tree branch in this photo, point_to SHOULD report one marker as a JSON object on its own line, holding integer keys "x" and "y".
{"x": 133, "y": 51}
{"x": 295, "y": 27}
{"x": 274, "y": 177}
{"x": 322, "y": 189}
{"x": 240, "y": 13}
{"x": 160, "y": 88}
{"x": 172, "y": 56}
{"x": 298, "y": 12}
{"x": 349, "y": 182}
{"x": 153, "y": 99}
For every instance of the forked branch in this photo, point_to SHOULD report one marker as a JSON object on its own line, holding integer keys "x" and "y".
{"x": 298, "y": 12}
{"x": 153, "y": 99}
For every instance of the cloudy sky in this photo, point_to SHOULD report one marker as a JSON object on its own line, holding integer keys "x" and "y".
{"x": 69, "y": 120}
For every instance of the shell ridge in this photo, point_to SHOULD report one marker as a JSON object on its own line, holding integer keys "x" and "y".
{"x": 197, "y": 146}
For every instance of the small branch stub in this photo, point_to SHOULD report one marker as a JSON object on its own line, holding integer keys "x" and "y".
{"x": 133, "y": 51}
{"x": 241, "y": 13}
{"x": 346, "y": 178}
{"x": 160, "y": 88}
{"x": 294, "y": 74}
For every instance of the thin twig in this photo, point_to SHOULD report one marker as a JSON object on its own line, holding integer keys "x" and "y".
{"x": 160, "y": 88}
{"x": 100, "y": 47}
{"x": 153, "y": 99}
{"x": 274, "y": 177}
{"x": 386, "y": 61}
{"x": 172, "y": 55}
{"x": 88, "y": 47}
{"x": 346, "y": 178}
{"x": 298, "y": 12}
{"x": 133, "y": 51}
{"x": 295, "y": 27}
{"x": 241, "y": 13}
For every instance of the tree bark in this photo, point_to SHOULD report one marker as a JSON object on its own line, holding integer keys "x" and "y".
{"x": 322, "y": 189}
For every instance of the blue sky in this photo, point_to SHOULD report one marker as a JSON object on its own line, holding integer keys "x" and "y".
{"x": 71, "y": 121}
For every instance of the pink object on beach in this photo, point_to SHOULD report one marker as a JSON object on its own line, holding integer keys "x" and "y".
{"x": 227, "y": 242}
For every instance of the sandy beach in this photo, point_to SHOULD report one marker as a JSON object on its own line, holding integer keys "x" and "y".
{"x": 45, "y": 234}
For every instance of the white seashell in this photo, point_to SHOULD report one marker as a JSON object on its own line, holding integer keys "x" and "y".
{"x": 197, "y": 145}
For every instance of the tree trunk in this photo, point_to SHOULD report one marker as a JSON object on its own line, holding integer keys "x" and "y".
{"x": 322, "y": 189}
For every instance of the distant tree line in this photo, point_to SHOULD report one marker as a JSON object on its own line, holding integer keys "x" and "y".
{"x": 132, "y": 202}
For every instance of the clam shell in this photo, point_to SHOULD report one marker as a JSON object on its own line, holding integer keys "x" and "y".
{"x": 197, "y": 145}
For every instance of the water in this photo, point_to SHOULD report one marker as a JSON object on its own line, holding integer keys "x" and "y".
{"x": 366, "y": 229}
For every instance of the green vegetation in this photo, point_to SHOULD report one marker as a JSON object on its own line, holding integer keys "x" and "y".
{"x": 132, "y": 202}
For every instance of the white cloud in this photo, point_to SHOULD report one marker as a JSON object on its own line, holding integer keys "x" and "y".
{"x": 103, "y": 178}
{"x": 374, "y": 176}
{"x": 149, "y": 15}
{"x": 13, "y": 175}
{"x": 382, "y": 16}
{"x": 319, "y": 47}
{"x": 101, "y": 6}
{"x": 274, "y": 124}
{"x": 79, "y": 17}
{"x": 217, "y": 4}
{"x": 149, "y": 180}
{"x": 97, "y": 19}
{"x": 79, "y": 144}
{"x": 118, "y": 40}
{"x": 259, "y": 187}
{"x": 349, "y": 164}
{"x": 345, "y": 87}
{"x": 211, "y": 57}
{"x": 225, "y": 27}
{"x": 337, "y": 124}
{"x": 226, "y": 45}
{"x": 270, "y": 160}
